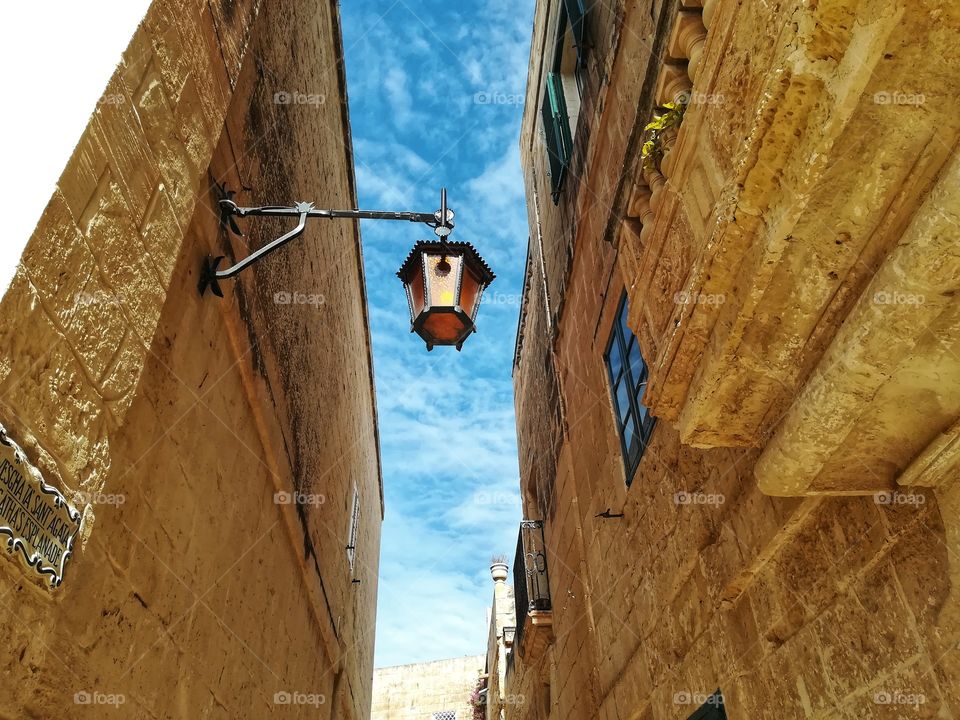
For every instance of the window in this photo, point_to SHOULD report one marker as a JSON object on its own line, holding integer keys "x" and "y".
{"x": 445, "y": 715}
{"x": 628, "y": 381}
{"x": 712, "y": 709}
{"x": 560, "y": 109}
{"x": 354, "y": 527}
{"x": 556, "y": 130}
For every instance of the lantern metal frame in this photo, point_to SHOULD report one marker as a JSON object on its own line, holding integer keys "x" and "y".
{"x": 210, "y": 276}
{"x": 470, "y": 261}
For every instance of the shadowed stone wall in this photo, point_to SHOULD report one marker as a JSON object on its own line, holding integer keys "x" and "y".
{"x": 213, "y": 445}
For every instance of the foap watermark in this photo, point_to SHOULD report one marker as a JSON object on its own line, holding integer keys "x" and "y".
{"x": 294, "y": 97}
{"x": 686, "y": 697}
{"x": 701, "y": 98}
{"x": 113, "y": 99}
{"x": 99, "y": 297}
{"x": 501, "y": 298}
{"x": 898, "y": 697}
{"x": 283, "y": 497}
{"x": 689, "y": 298}
{"x": 898, "y": 498}
{"x": 698, "y": 498}
{"x": 886, "y": 97}
{"x": 894, "y": 297}
{"x": 516, "y": 700}
{"x": 495, "y": 498}
{"x": 498, "y": 98}
{"x": 282, "y": 697}
{"x": 299, "y": 298}
{"x": 100, "y": 498}
{"x": 99, "y": 698}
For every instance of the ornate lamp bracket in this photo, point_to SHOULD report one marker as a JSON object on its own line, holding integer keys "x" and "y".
{"x": 210, "y": 275}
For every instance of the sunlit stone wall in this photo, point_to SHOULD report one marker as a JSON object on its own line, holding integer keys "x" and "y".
{"x": 792, "y": 260}
{"x": 438, "y": 690}
{"x": 214, "y": 446}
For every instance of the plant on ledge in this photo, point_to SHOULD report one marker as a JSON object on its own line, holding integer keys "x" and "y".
{"x": 652, "y": 151}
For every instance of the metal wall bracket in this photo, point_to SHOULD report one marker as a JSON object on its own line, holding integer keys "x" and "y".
{"x": 210, "y": 275}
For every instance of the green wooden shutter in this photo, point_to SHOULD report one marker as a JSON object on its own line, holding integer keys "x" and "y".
{"x": 576, "y": 16}
{"x": 556, "y": 129}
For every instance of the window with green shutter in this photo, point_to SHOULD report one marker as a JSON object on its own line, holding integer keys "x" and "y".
{"x": 556, "y": 129}
{"x": 560, "y": 108}
{"x": 576, "y": 16}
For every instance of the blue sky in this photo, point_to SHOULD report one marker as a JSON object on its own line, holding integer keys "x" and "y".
{"x": 436, "y": 95}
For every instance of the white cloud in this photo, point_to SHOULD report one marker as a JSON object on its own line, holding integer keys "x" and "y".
{"x": 500, "y": 185}
{"x": 396, "y": 85}
{"x": 390, "y": 188}
{"x": 498, "y": 193}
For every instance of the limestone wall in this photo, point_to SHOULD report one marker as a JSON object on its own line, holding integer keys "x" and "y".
{"x": 183, "y": 425}
{"x": 419, "y": 690}
{"x": 540, "y": 437}
{"x": 818, "y": 607}
{"x": 502, "y": 615}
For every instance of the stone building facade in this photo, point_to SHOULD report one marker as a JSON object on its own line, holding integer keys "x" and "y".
{"x": 438, "y": 690}
{"x": 500, "y": 637}
{"x": 736, "y": 368}
{"x": 223, "y": 452}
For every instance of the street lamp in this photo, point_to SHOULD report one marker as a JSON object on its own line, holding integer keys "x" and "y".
{"x": 444, "y": 280}
{"x": 444, "y": 283}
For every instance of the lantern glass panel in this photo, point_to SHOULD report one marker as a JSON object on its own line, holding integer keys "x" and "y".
{"x": 415, "y": 291}
{"x": 469, "y": 293}
{"x": 442, "y": 271}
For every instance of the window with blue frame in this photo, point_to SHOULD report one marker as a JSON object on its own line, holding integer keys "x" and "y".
{"x": 628, "y": 381}
{"x": 712, "y": 709}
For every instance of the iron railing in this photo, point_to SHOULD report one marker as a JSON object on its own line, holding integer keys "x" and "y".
{"x": 531, "y": 585}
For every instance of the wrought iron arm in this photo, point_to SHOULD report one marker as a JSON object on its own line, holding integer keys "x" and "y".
{"x": 441, "y": 221}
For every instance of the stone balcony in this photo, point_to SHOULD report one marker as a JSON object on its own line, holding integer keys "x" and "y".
{"x": 537, "y": 634}
{"x": 791, "y": 249}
